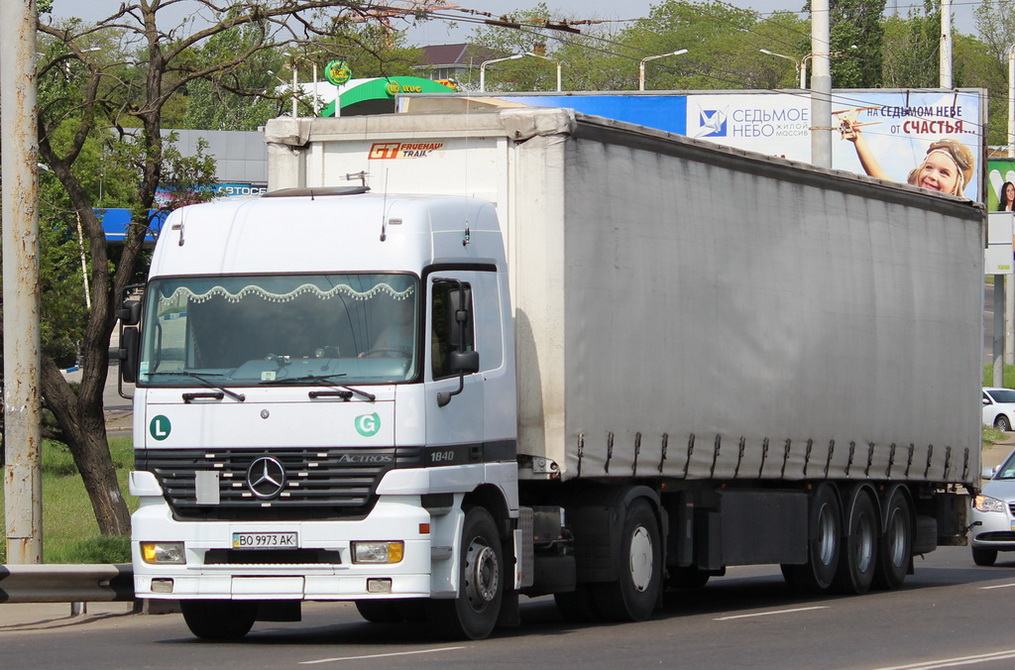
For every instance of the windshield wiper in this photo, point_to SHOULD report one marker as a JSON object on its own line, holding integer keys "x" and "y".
{"x": 239, "y": 397}
{"x": 300, "y": 379}
{"x": 324, "y": 379}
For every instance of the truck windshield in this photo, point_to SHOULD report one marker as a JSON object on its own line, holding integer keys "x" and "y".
{"x": 305, "y": 329}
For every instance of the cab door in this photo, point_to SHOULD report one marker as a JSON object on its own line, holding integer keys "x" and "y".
{"x": 454, "y": 401}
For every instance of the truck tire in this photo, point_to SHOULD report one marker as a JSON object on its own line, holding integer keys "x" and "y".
{"x": 824, "y": 535}
{"x": 635, "y": 594}
{"x": 473, "y": 614}
{"x": 219, "y": 619}
{"x": 860, "y": 550}
{"x": 984, "y": 557}
{"x": 895, "y": 550}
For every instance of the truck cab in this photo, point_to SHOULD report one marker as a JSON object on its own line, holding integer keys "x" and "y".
{"x": 313, "y": 375}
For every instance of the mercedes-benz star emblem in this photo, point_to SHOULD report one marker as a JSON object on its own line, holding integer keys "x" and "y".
{"x": 266, "y": 477}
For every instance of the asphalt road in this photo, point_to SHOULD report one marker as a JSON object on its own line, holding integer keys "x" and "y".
{"x": 949, "y": 610}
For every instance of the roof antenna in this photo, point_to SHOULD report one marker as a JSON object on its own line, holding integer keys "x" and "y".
{"x": 384, "y": 209}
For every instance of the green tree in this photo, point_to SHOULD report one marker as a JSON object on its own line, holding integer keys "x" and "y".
{"x": 245, "y": 97}
{"x": 911, "y": 49}
{"x": 112, "y": 84}
{"x": 723, "y": 46}
{"x": 857, "y": 36}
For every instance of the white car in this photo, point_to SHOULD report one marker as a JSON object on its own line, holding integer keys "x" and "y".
{"x": 999, "y": 408}
{"x": 993, "y": 527}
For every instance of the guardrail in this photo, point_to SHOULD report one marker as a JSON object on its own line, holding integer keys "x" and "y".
{"x": 66, "y": 583}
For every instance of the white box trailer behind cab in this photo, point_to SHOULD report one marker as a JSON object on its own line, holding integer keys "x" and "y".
{"x": 693, "y": 312}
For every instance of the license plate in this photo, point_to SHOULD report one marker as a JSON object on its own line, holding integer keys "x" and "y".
{"x": 286, "y": 540}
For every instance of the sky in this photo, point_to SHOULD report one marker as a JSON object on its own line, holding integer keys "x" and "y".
{"x": 440, "y": 32}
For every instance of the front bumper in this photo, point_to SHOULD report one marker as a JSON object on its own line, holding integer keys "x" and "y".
{"x": 394, "y": 518}
{"x": 992, "y": 530}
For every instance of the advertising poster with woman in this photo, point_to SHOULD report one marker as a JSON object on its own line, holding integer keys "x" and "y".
{"x": 1000, "y": 196}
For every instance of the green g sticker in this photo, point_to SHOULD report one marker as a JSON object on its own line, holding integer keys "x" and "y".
{"x": 368, "y": 425}
{"x": 160, "y": 427}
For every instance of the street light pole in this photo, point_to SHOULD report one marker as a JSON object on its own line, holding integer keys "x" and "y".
{"x": 554, "y": 60}
{"x": 482, "y": 68}
{"x": 797, "y": 64}
{"x": 641, "y": 65}
{"x": 1011, "y": 101}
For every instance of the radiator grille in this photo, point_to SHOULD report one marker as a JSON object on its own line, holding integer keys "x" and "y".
{"x": 338, "y": 483}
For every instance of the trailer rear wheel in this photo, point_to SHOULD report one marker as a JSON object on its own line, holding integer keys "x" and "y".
{"x": 896, "y": 547}
{"x": 634, "y": 595}
{"x": 859, "y": 555}
{"x": 219, "y": 619}
{"x": 473, "y": 614}
{"x": 823, "y": 543}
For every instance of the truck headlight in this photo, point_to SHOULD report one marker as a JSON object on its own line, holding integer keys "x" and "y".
{"x": 377, "y": 552}
{"x": 984, "y": 503}
{"x": 163, "y": 552}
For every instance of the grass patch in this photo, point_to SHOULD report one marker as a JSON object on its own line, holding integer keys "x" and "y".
{"x": 1008, "y": 375}
{"x": 992, "y": 436}
{"x": 69, "y": 531}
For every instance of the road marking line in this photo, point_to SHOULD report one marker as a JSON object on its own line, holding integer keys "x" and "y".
{"x": 396, "y": 653}
{"x": 997, "y": 586}
{"x": 757, "y": 614}
{"x": 953, "y": 662}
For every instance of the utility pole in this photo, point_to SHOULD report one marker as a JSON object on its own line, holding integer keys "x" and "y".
{"x": 945, "y": 68}
{"x": 821, "y": 86}
{"x": 22, "y": 439}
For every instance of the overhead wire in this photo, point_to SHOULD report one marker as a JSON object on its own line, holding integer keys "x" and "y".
{"x": 719, "y": 75}
{"x": 559, "y": 31}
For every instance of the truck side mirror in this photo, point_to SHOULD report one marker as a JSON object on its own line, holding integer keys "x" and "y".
{"x": 130, "y": 341}
{"x": 130, "y": 312}
{"x": 464, "y": 362}
{"x": 128, "y": 353}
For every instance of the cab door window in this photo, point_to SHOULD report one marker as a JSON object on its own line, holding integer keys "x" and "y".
{"x": 448, "y": 297}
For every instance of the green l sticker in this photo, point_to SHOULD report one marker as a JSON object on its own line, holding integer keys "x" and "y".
{"x": 160, "y": 427}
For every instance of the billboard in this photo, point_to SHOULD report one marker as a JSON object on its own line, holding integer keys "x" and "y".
{"x": 1000, "y": 185}
{"x": 931, "y": 138}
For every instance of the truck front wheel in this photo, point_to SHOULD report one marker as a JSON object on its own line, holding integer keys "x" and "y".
{"x": 635, "y": 594}
{"x": 219, "y": 619}
{"x": 473, "y": 614}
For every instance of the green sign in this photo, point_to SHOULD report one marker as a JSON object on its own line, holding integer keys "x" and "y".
{"x": 337, "y": 72}
{"x": 368, "y": 425}
{"x": 160, "y": 427}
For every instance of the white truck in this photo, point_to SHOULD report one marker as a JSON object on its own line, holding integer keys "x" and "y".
{"x": 453, "y": 359}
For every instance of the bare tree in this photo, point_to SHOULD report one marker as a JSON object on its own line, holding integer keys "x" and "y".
{"x": 130, "y": 68}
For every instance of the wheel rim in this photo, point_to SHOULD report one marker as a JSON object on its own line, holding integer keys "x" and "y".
{"x": 896, "y": 538}
{"x": 641, "y": 559}
{"x": 482, "y": 574}
{"x": 864, "y": 548}
{"x": 826, "y": 535}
